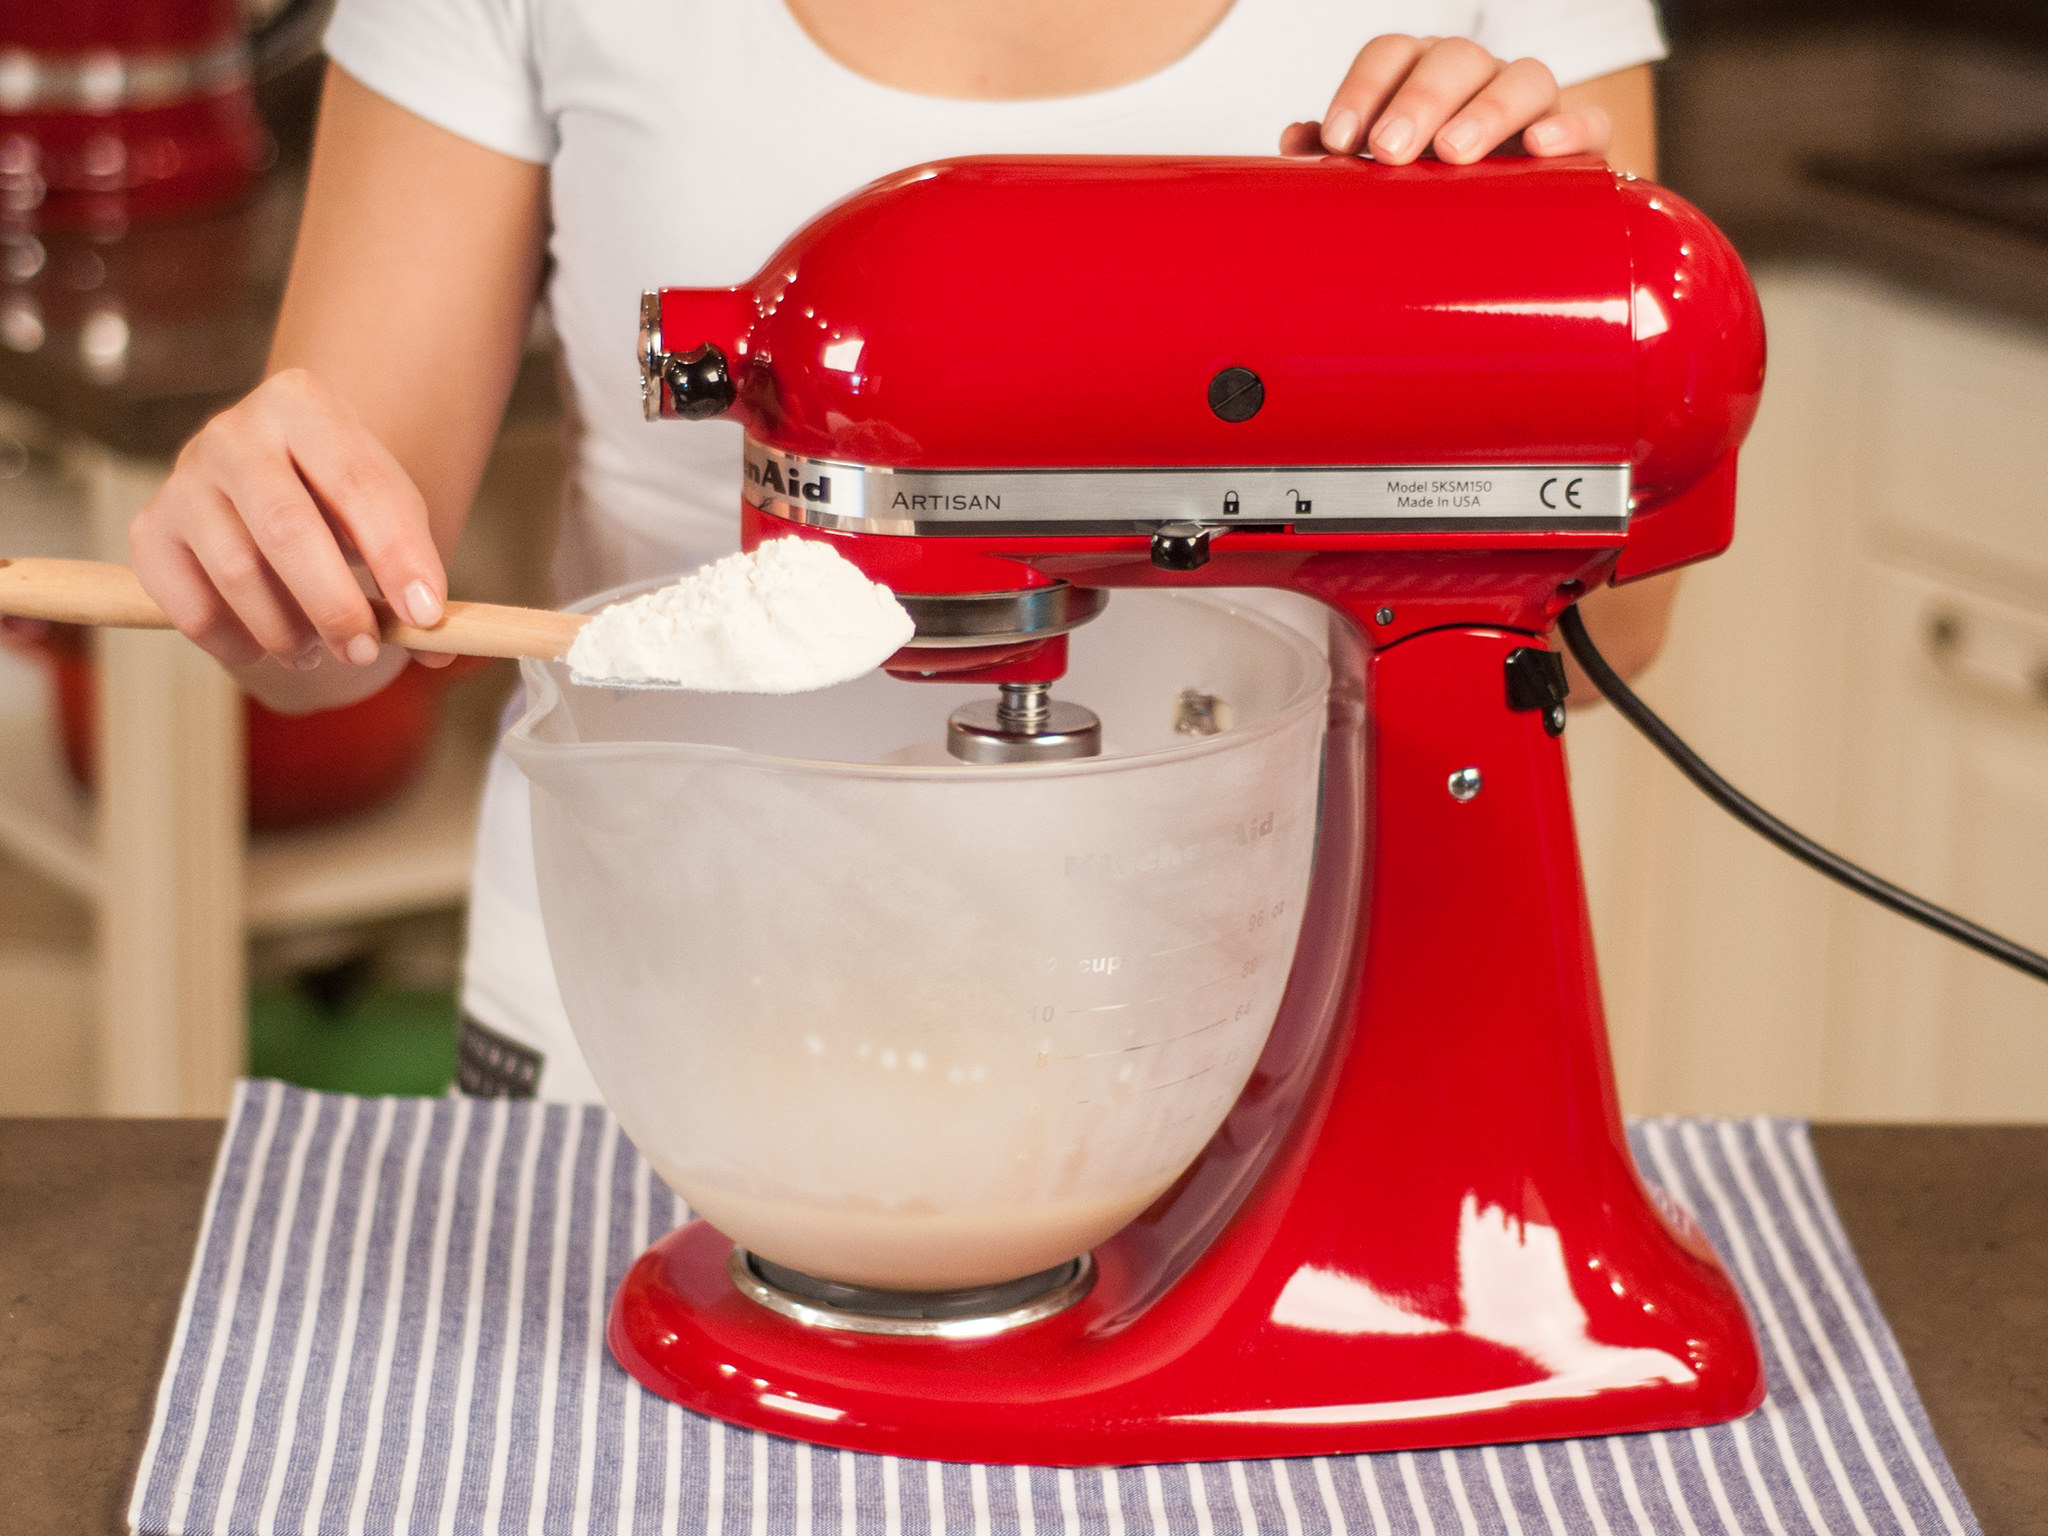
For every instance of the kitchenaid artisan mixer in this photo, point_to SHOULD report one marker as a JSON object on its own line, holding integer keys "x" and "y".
{"x": 1445, "y": 402}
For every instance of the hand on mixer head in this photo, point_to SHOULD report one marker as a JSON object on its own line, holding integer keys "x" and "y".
{"x": 1404, "y": 95}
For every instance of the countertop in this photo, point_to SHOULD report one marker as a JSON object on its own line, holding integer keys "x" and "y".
{"x": 99, "y": 1218}
{"x": 1967, "y": 225}
{"x": 2007, "y": 20}
{"x": 1904, "y": 140}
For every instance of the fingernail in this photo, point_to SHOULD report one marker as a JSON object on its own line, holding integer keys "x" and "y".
{"x": 362, "y": 650}
{"x": 1340, "y": 131}
{"x": 1461, "y": 138}
{"x": 1544, "y": 135}
{"x": 421, "y": 606}
{"x": 1394, "y": 137}
{"x": 307, "y": 659}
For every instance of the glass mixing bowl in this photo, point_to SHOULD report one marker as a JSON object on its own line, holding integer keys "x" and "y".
{"x": 897, "y": 1021}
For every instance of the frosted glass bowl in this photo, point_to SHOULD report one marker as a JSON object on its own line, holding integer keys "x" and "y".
{"x": 897, "y": 1021}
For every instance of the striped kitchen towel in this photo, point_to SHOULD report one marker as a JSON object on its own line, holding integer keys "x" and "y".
{"x": 395, "y": 1323}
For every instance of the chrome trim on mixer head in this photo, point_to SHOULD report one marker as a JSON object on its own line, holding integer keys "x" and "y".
{"x": 953, "y": 619}
{"x": 650, "y": 353}
{"x": 849, "y": 497}
{"x": 914, "y": 1314}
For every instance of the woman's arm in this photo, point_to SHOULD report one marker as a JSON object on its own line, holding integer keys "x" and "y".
{"x": 408, "y": 303}
{"x": 1627, "y": 101}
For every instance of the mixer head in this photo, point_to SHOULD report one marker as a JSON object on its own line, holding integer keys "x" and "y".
{"x": 1426, "y": 394}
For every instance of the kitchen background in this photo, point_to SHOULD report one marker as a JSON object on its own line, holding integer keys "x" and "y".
{"x": 1871, "y": 661}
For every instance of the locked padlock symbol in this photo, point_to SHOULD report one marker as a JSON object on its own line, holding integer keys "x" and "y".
{"x": 1230, "y": 503}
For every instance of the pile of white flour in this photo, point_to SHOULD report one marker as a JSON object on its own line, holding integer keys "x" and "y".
{"x": 787, "y": 617}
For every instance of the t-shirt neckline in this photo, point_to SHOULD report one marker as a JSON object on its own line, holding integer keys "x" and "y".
{"x": 797, "y": 51}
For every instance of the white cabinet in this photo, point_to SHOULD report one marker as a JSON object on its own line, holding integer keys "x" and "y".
{"x": 1868, "y": 663}
{"x": 1945, "y": 787}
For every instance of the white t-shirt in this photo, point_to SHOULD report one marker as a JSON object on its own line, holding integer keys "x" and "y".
{"x": 685, "y": 140}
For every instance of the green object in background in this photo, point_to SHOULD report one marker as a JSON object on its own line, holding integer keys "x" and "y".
{"x": 341, "y": 1036}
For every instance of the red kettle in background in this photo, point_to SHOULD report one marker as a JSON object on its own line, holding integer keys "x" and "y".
{"x": 114, "y": 110}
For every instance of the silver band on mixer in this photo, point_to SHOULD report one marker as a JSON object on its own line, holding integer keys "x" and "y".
{"x": 969, "y": 1314}
{"x": 967, "y": 619}
{"x": 830, "y": 493}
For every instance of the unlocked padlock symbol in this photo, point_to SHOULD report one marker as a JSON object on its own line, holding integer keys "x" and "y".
{"x": 1301, "y": 503}
{"x": 1230, "y": 503}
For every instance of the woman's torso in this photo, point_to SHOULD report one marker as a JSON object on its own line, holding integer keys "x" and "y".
{"x": 694, "y": 137}
{"x": 686, "y": 139}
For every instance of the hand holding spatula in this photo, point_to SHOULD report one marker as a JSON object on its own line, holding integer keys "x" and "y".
{"x": 789, "y": 617}
{"x": 104, "y": 594}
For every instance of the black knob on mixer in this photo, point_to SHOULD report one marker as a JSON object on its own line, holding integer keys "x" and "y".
{"x": 1181, "y": 546}
{"x": 699, "y": 382}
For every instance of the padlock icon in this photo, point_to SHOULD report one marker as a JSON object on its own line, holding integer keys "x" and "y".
{"x": 1301, "y": 503}
{"x": 1230, "y": 503}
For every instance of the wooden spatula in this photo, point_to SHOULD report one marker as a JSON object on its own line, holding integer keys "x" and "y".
{"x": 98, "y": 592}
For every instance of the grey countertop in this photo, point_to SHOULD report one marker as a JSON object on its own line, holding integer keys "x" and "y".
{"x": 99, "y": 1217}
{"x": 1819, "y": 139}
{"x": 2001, "y": 20}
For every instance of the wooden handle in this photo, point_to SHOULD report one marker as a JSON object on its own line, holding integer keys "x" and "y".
{"x": 488, "y": 629}
{"x": 77, "y": 592}
{"x": 97, "y": 592}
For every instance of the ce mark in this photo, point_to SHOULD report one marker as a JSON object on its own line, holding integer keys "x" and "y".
{"x": 1571, "y": 493}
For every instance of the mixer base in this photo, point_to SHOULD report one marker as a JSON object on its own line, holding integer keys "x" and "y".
{"x": 1208, "y": 1372}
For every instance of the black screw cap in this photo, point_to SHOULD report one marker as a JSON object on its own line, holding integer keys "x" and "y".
{"x": 699, "y": 382}
{"x": 1236, "y": 394}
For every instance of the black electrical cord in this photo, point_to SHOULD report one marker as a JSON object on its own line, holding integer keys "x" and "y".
{"x": 1761, "y": 821}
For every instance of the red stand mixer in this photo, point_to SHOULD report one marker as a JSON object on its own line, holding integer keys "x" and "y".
{"x": 1446, "y": 402}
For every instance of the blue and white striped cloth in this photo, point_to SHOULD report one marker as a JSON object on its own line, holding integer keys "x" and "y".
{"x": 395, "y": 1323}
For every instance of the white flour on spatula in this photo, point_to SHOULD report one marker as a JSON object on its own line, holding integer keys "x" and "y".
{"x": 787, "y": 617}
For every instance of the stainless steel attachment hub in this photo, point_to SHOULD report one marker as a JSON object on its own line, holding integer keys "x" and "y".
{"x": 1024, "y": 723}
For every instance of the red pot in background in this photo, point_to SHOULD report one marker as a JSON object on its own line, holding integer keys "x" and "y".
{"x": 303, "y": 769}
{"x": 120, "y": 109}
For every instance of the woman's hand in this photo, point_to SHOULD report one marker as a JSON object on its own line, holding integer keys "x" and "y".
{"x": 248, "y": 544}
{"x": 410, "y": 295}
{"x": 1403, "y": 95}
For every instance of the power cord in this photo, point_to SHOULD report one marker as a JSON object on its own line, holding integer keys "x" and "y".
{"x": 1762, "y": 822}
